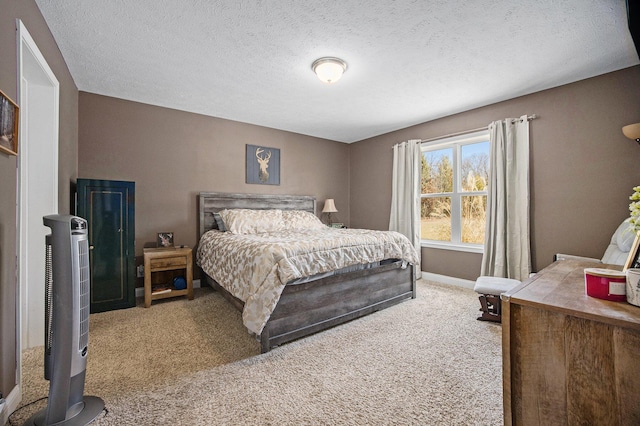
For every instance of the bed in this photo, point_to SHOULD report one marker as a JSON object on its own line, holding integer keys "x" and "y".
{"x": 303, "y": 304}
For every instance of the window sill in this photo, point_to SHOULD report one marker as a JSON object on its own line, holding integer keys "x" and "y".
{"x": 454, "y": 247}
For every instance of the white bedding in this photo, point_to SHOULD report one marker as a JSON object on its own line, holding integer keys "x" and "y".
{"x": 256, "y": 267}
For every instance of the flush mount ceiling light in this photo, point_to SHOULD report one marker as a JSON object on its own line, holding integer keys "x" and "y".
{"x": 329, "y": 70}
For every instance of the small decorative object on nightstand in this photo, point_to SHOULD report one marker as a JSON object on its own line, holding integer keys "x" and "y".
{"x": 165, "y": 239}
{"x": 167, "y": 259}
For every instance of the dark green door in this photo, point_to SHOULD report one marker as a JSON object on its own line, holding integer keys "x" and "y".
{"x": 108, "y": 207}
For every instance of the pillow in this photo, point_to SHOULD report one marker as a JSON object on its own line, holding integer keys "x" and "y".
{"x": 299, "y": 219}
{"x": 245, "y": 221}
{"x": 219, "y": 222}
{"x": 624, "y": 236}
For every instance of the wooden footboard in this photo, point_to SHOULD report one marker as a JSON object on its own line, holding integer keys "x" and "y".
{"x": 308, "y": 308}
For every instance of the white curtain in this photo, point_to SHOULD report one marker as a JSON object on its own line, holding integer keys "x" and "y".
{"x": 507, "y": 247}
{"x": 405, "y": 193}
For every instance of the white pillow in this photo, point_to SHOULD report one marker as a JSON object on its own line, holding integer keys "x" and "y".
{"x": 245, "y": 221}
{"x": 299, "y": 219}
{"x": 624, "y": 236}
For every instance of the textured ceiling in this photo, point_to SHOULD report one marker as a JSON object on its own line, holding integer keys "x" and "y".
{"x": 410, "y": 61}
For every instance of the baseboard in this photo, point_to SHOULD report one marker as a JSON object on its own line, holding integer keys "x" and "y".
{"x": 140, "y": 290}
{"x": 444, "y": 279}
{"x": 12, "y": 401}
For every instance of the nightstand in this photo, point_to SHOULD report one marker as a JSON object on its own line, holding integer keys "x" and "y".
{"x": 167, "y": 259}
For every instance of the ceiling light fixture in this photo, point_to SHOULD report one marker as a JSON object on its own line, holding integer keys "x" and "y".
{"x": 328, "y": 69}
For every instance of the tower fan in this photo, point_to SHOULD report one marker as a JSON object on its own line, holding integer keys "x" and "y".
{"x": 67, "y": 283}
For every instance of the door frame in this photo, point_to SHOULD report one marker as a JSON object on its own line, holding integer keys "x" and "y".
{"x": 33, "y": 69}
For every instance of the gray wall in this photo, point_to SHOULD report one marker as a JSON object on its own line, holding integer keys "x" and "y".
{"x": 582, "y": 168}
{"x": 172, "y": 155}
{"x": 28, "y": 12}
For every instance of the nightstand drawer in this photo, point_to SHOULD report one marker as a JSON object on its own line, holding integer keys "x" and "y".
{"x": 169, "y": 262}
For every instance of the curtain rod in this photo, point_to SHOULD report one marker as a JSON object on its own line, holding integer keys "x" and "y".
{"x": 450, "y": 135}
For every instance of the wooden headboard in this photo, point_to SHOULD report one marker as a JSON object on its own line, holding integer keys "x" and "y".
{"x": 211, "y": 202}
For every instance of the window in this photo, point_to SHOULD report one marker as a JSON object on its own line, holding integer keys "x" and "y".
{"x": 454, "y": 177}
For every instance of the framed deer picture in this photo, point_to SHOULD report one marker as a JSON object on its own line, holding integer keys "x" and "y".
{"x": 165, "y": 239}
{"x": 263, "y": 165}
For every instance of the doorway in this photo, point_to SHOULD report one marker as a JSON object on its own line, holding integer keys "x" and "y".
{"x": 37, "y": 181}
{"x": 38, "y": 98}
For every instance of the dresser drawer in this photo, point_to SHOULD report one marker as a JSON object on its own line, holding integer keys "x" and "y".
{"x": 169, "y": 262}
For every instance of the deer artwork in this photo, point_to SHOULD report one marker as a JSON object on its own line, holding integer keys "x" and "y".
{"x": 166, "y": 240}
{"x": 264, "y": 164}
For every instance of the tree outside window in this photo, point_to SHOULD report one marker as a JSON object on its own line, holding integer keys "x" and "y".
{"x": 454, "y": 190}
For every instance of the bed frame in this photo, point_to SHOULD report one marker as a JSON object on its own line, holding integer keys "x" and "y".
{"x": 308, "y": 308}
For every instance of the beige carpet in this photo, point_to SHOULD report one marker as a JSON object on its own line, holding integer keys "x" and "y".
{"x": 426, "y": 361}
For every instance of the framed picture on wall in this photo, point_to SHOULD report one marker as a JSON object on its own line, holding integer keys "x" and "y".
{"x": 263, "y": 165}
{"x": 9, "y": 114}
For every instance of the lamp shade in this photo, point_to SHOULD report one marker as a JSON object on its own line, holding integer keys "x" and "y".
{"x": 329, "y": 70}
{"x": 329, "y": 206}
{"x": 632, "y": 131}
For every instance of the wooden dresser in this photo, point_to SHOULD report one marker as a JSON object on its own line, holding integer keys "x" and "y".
{"x": 569, "y": 358}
